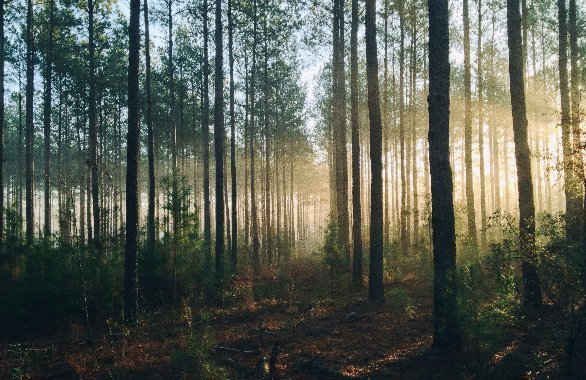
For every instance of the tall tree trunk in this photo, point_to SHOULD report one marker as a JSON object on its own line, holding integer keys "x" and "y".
{"x": 21, "y": 131}
{"x": 414, "y": 128}
{"x": 571, "y": 216}
{"x": 47, "y": 118}
{"x": 578, "y": 194}
{"x": 480, "y": 85}
{"x": 267, "y": 187}
{"x": 2, "y": 4}
{"x": 246, "y": 150}
{"x": 532, "y": 291}
{"x": 470, "y": 212}
{"x": 253, "y": 211}
{"x": 445, "y": 316}
{"x": 29, "y": 135}
{"x": 205, "y": 125}
{"x": 386, "y": 123}
{"x": 356, "y": 209}
{"x": 151, "y": 236}
{"x": 132, "y": 149}
{"x": 403, "y": 220}
{"x": 234, "y": 249}
{"x": 175, "y": 207}
{"x": 219, "y": 142}
{"x": 375, "y": 283}
{"x": 493, "y": 128}
{"x": 339, "y": 128}
{"x": 93, "y": 133}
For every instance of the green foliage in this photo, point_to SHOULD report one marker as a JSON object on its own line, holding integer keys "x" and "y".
{"x": 333, "y": 257}
{"x": 49, "y": 286}
{"x": 401, "y": 302}
{"x": 484, "y": 309}
{"x": 398, "y": 266}
{"x": 561, "y": 269}
{"x": 195, "y": 360}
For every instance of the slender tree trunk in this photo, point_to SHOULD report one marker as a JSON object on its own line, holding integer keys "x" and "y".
{"x": 470, "y": 212}
{"x": 219, "y": 142}
{"x": 246, "y": 150}
{"x": 339, "y": 128}
{"x": 234, "y": 248}
{"x": 88, "y": 184}
{"x": 386, "y": 122}
{"x": 151, "y": 236}
{"x": 175, "y": 207}
{"x": 532, "y": 294}
{"x": 47, "y": 118}
{"x": 375, "y": 283}
{"x": 29, "y": 135}
{"x": 21, "y": 130}
{"x": 403, "y": 222}
{"x": 253, "y": 211}
{"x": 267, "y": 200}
{"x": 132, "y": 149}
{"x": 414, "y": 129}
{"x": 207, "y": 223}
{"x": 93, "y": 133}
{"x": 2, "y": 4}
{"x": 356, "y": 209}
{"x": 445, "y": 316}
{"x": 578, "y": 148}
{"x": 569, "y": 185}
{"x": 480, "y": 85}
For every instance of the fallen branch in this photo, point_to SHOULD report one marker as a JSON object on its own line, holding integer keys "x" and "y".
{"x": 353, "y": 317}
{"x": 262, "y": 331}
{"x": 230, "y": 349}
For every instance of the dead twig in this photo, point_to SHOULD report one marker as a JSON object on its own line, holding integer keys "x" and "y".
{"x": 230, "y": 349}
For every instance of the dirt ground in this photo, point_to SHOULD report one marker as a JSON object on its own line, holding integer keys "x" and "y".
{"x": 297, "y": 336}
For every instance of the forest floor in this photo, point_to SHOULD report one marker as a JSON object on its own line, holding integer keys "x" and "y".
{"x": 302, "y": 334}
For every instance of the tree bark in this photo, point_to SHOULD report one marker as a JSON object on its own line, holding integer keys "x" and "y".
{"x": 403, "y": 220}
{"x": 356, "y": 207}
{"x": 132, "y": 149}
{"x": 532, "y": 291}
{"x": 470, "y": 212}
{"x": 2, "y": 10}
{"x": 234, "y": 248}
{"x": 47, "y": 119}
{"x": 151, "y": 236}
{"x": 339, "y": 128}
{"x": 445, "y": 317}
{"x": 29, "y": 129}
{"x": 577, "y": 147}
{"x": 480, "y": 84}
{"x": 219, "y": 143}
{"x": 267, "y": 187}
{"x": 205, "y": 125}
{"x": 253, "y": 211}
{"x": 93, "y": 133}
{"x": 375, "y": 283}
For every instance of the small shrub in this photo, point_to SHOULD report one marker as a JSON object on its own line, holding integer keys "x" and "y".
{"x": 195, "y": 362}
{"x": 333, "y": 257}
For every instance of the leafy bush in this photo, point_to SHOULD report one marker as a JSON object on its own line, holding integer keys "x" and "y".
{"x": 195, "y": 361}
{"x": 334, "y": 258}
